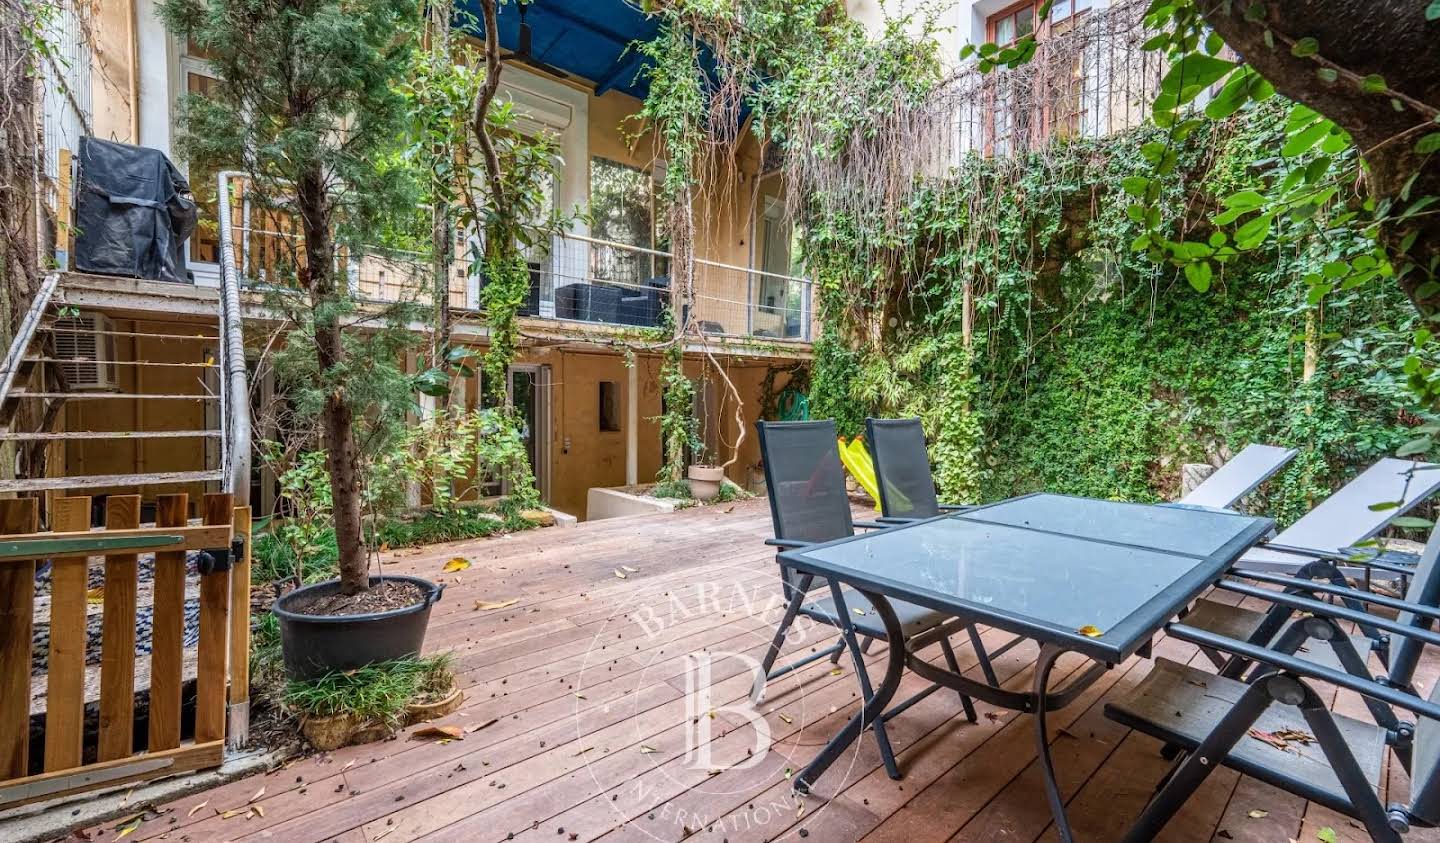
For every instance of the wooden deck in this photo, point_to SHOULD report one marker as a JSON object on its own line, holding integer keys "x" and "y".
{"x": 576, "y": 720}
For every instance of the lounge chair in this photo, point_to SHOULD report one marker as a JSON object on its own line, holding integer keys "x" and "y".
{"x": 805, "y": 483}
{"x": 1239, "y": 476}
{"x": 1261, "y": 727}
{"x": 1319, "y": 546}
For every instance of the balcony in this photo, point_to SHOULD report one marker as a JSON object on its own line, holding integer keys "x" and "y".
{"x": 575, "y": 279}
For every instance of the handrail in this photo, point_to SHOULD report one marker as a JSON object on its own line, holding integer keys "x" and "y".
{"x": 235, "y": 390}
{"x": 26, "y": 332}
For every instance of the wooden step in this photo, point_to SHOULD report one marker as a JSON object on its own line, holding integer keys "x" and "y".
{"x": 102, "y": 396}
{"x": 65, "y": 435}
{"x": 95, "y": 481}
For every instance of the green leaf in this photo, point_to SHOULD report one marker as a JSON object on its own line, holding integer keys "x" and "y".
{"x": 1384, "y": 506}
{"x": 1199, "y": 275}
{"x": 1405, "y": 522}
{"x": 1430, "y": 143}
{"x": 1135, "y": 185}
{"x": 1327, "y": 74}
{"x": 1305, "y": 139}
{"x": 1415, "y": 446}
{"x": 1244, "y": 199}
{"x": 1325, "y": 835}
{"x": 1305, "y": 47}
{"x": 1187, "y": 78}
{"x": 1254, "y": 232}
{"x": 1432, "y": 12}
{"x": 1373, "y": 84}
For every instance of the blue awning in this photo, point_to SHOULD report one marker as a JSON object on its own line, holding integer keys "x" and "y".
{"x": 589, "y": 39}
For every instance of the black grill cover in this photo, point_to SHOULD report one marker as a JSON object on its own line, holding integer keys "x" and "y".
{"x": 134, "y": 212}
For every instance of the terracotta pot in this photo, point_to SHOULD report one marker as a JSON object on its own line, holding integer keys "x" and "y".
{"x": 705, "y": 481}
{"x": 419, "y": 712}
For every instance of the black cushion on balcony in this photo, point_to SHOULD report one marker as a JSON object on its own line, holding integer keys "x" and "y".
{"x": 588, "y": 302}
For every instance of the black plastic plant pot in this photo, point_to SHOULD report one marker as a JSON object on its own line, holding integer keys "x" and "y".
{"x": 314, "y": 645}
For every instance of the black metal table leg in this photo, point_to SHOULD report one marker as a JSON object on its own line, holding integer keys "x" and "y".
{"x": 872, "y": 709}
{"x": 1048, "y": 654}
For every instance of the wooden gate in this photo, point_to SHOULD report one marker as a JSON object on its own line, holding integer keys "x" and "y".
{"x": 75, "y": 758}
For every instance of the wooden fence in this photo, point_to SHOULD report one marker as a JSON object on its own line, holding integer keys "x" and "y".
{"x": 69, "y": 762}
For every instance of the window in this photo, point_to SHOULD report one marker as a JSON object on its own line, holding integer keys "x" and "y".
{"x": 622, "y": 206}
{"x": 609, "y": 407}
{"x": 205, "y": 242}
{"x": 1061, "y": 110}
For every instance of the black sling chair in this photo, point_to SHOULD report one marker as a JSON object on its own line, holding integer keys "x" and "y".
{"x": 1211, "y": 717}
{"x": 809, "y": 505}
{"x": 907, "y": 493}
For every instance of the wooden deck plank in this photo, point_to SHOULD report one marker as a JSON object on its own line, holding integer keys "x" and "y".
{"x": 554, "y": 765}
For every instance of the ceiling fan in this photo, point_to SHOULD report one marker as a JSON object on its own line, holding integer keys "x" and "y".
{"x": 523, "y": 54}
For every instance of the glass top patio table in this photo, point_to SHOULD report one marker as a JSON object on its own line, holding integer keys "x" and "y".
{"x": 1097, "y": 577}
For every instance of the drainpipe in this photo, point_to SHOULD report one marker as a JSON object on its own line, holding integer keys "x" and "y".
{"x": 133, "y": 24}
{"x": 236, "y": 388}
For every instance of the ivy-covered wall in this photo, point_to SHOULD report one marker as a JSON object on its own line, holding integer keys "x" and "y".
{"x": 1089, "y": 368}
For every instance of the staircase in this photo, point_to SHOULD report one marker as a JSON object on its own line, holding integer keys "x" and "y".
{"x": 37, "y": 383}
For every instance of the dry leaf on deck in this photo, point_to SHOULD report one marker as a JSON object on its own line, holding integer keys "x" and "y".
{"x": 438, "y": 732}
{"x": 259, "y": 793}
{"x": 127, "y": 830}
{"x": 1258, "y": 814}
{"x": 491, "y": 722}
{"x": 619, "y": 573}
{"x": 1325, "y": 835}
{"x": 1090, "y": 631}
{"x": 630, "y": 569}
{"x": 646, "y": 750}
{"x": 1295, "y": 735}
{"x": 787, "y": 718}
{"x": 1270, "y": 738}
{"x": 259, "y": 810}
{"x": 485, "y": 606}
{"x": 197, "y": 807}
{"x": 457, "y": 564}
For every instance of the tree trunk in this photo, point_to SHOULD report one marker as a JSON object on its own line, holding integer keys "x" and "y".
{"x": 342, "y": 455}
{"x": 1358, "y": 38}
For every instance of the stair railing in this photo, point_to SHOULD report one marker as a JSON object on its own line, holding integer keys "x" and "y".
{"x": 234, "y": 386}
{"x": 20, "y": 345}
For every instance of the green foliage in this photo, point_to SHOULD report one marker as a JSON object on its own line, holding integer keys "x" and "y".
{"x": 375, "y": 692}
{"x": 1095, "y": 370}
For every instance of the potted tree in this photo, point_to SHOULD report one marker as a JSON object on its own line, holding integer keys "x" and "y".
{"x": 305, "y": 105}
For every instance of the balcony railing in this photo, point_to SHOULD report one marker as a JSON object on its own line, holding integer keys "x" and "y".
{"x": 574, "y": 279}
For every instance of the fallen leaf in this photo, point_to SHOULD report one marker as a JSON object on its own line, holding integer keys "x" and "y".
{"x": 95, "y": 595}
{"x": 619, "y": 574}
{"x": 582, "y": 752}
{"x": 1325, "y": 835}
{"x": 789, "y": 772}
{"x": 630, "y": 569}
{"x": 485, "y": 606}
{"x": 1270, "y": 738}
{"x": 992, "y": 717}
{"x": 197, "y": 807}
{"x": 835, "y": 671}
{"x": 1295, "y": 735}
{"x": 646, "y": 750}
{"x": 787, "y": 718}
{"x": 127, "y": 830}
{"x": 259, "y": 811}
{"x": 225, "y": 815}
{"x": 1090, "y": 631}
{"x": 1258, "y": 814}
{"x": 438, "y": 732}
{"x": 459, "y": 563}
{"x": 348, "y": 765}
{"x": 259, "y": 793}
{"x": 859, "y": 611}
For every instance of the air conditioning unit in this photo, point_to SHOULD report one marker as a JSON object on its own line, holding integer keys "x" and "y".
{"x": 85, "y": 345}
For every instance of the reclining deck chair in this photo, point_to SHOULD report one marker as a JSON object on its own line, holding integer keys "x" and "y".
{"x": 1239, "y": 476}
{"x": 809, "y": 505}
{"x": 1321, "y": 545}
{"x": 1224, "y": 720}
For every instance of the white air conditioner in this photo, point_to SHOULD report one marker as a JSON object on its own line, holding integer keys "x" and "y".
{"x": 85, "y": 345}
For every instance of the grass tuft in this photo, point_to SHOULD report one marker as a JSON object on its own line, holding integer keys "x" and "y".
{"x": 374, "y": 692}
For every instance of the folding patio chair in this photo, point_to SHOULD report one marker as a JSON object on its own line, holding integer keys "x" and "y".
{"x": 1284, "y": 628}
{"x": 1239, "y": 476}
{"x": 1263, "y": 727}
{"x": 809, "y": 505}
{"x": 1319, "y": 545}
{"x": 902, "y": 467}
{"x": 907, "y": 493}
